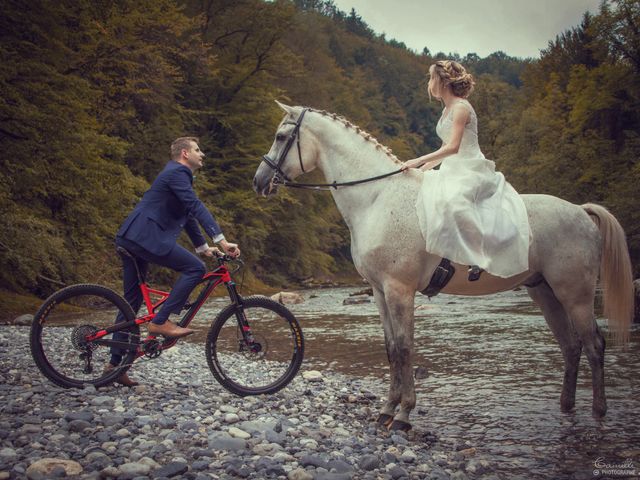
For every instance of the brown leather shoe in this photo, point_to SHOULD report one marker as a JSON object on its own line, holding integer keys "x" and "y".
{"x": 168, "y": 329}
{"x": 122, "y": 379}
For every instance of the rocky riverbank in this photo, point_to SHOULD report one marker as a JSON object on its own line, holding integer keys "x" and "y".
{"x": 182, "y": 424}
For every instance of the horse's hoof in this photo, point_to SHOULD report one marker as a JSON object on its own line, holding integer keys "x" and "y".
{"x": 599, "y": 412}
{"x": 384, "y": 420}
{"x": 400, "y": 425}
{"x": 567, "y": 407}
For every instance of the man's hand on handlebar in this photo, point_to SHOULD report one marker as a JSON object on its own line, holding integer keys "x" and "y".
{"x": 230, "y": 249}
{"x": 213, "y": 252}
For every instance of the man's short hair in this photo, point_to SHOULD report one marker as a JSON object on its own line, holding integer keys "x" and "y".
{"x": 179, "y": 144}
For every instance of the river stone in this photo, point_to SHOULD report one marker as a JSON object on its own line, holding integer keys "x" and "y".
{"x": 102, "y": 401}
{"x": 313, "y": 461}
{"x": 134, "y": 469}
{"x": 23, "y": 320}
{"x": 44, "y": 468}
{"x": 369, "y": 462}
{"x": 356, "y": 300}
{"x": 340, "y": 466}
{"x": 397, "y": 472}
{"x": 231, "y": 418}
{"x": 237, "y": 433}
{"x": 299, "y": 474}
{"x": 82, "y": 415}
{"x": 408, "y": 456}
{"x": 258, "y": 426}
{"x": 8, "y": 454}
{"x": 224, "y": 441}
{"x": 79, "y": 425}
{"x": 171, "y": 470}
{"x": 312, "y": 376}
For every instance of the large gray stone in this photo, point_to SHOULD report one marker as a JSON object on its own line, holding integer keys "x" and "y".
{"x": 224, "y": 441}
{"x": 52, "y": 467}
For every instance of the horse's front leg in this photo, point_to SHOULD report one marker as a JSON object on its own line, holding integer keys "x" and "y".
{"x": 398, "y": 327}
{"x": 393, "y": 399}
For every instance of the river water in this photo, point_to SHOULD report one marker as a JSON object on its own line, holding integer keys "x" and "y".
{"x": 494, "y": 376}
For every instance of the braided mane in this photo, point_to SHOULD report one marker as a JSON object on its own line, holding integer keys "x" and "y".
{"x": 367, "y": 136}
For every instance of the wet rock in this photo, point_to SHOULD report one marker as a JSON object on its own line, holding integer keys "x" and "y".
{"x": 231, "y": 418}
{"x": 237, "y": 433}
{"x": 356, "y": 300}
{"x": 366, "y": 291}
{"x": 23, "y": 320}
{"x": 78, "y": 425}
{"x": 312, "y": 376}
{"x": 299, "y": 474}
{"x": 46, "y": 468}
{"x": 288, "y": 298}
{"x": 102, "y": 401}
{"x": 397, "y": 472}
{"x": 172, "y": 469}
{"x": 369, "y": 462}
{"x": 82, "y": 415}
{"x": 134, "y": 469}
{"x": 224, "y": 441}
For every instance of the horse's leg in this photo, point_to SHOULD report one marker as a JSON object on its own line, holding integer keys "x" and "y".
{"x": 389, "y": 408}
{"x": 581, "y": 313}
{"x": 566, "y": 336}
{"x": 577, "y": 301}
{"x": 399, "y": 300}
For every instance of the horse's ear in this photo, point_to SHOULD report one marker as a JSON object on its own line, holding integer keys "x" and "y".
{"x": 284, "y": 107}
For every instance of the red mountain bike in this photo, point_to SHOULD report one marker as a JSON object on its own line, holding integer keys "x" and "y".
{"x": 254, "y": 345}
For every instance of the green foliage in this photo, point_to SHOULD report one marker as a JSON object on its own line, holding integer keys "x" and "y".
{"x": 95, "y": 91}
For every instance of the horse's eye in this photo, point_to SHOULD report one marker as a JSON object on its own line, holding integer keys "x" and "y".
{"x": 280, "y": 137}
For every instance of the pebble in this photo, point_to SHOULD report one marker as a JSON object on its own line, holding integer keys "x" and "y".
{"x": 183, "y": 424}
{"x": 237, "y": 433}
{"x": 313, "y": 376}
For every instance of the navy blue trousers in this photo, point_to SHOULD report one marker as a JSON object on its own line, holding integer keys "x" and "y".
{"x": 180, "y": 259}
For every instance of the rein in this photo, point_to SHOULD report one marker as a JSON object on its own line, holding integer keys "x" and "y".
{"x": 334, "y": 184}
{"x": 281, "y": 178}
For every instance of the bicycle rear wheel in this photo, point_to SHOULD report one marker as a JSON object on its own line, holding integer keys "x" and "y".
{"x": 265, "y": 365}
{"x": 61, "y": 325}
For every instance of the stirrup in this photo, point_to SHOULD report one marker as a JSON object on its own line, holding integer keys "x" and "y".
{"x": 474, "y": 272}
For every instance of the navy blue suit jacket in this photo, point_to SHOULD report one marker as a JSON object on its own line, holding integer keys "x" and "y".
{"x": 165, "y": 209}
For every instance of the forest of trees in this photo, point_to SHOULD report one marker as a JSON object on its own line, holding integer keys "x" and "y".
{"x": 94, "y": 91}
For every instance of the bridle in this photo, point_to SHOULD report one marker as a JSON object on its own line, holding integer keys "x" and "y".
{"x": 281, "y": 178}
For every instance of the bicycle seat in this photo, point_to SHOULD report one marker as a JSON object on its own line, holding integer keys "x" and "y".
{"x": 124, "y": 252}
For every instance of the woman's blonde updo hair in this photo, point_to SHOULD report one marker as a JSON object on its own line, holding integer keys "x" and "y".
{"x": 451, "y": 73}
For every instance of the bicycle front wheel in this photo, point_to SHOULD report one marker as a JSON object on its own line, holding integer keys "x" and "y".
{"x": 269, "y": 360}
{"x": 60, "y": 330}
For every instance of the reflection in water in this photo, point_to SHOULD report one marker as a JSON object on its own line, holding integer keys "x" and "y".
{"x": 495, "y": 374}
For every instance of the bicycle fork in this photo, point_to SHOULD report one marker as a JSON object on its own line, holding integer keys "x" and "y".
{"x": 243, "y": 324}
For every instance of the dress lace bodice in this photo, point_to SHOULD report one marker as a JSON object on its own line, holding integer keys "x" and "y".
{"x": 469, "y": 145}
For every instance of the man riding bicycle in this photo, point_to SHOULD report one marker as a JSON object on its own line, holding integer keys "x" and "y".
{"x": 151, "y": 231}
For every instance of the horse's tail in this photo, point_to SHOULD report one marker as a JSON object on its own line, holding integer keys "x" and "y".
{"x": 616, "y": 276}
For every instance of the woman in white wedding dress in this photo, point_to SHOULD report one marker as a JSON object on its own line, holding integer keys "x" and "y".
{"x": 468, "y": 212}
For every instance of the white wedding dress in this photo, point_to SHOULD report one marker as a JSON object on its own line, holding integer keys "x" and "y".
{"x": 468, "y": 212}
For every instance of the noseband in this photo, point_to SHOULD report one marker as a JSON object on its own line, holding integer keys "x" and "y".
{"x": 280, "y": 176}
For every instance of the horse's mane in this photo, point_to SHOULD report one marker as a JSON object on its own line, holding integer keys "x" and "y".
{"x": 367, "y": 136}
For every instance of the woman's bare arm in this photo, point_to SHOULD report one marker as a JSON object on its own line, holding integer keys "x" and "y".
{"x": 460, "y": 117}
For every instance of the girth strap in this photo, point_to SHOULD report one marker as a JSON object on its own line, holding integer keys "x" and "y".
{"x": 441, "y": 276}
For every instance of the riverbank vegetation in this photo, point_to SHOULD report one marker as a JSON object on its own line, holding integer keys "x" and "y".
{"x": 93, "y": 93}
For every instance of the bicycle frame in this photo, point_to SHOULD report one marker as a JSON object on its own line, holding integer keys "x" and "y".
{"x": 213, "y": 279}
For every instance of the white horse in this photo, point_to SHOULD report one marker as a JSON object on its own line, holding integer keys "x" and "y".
{"x": 571, "y": 246}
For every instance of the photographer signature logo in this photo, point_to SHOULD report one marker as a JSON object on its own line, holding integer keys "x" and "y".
{"x": 624, "y": 469}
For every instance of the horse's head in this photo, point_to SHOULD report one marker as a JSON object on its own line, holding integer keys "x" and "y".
{"x": 292, "y": 153}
